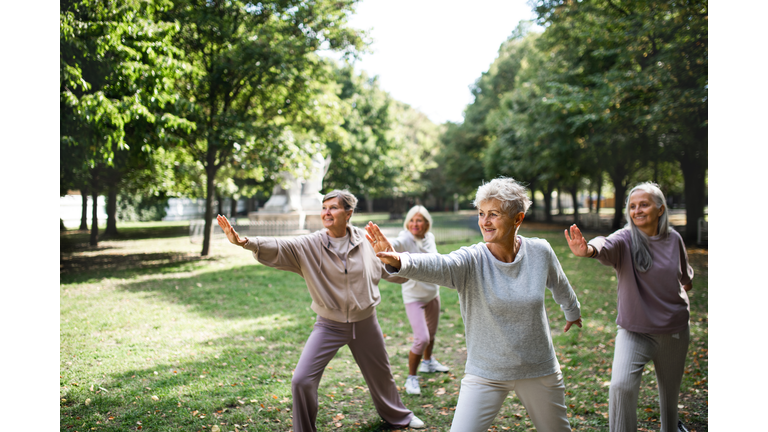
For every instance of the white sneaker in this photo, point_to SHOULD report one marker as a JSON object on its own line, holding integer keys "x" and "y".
{"x": 431, "y": 366}
{"x": 416, "y": 423}
{"x": 412, "y": 387}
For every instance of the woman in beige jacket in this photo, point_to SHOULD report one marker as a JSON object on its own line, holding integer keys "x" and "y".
{"x": 342, "y": 274}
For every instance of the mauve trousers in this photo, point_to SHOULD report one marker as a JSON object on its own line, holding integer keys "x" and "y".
{"x": 366, "y": 342}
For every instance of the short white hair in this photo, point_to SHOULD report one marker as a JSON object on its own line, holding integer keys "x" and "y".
{"x": 420, "y": 210}
{"x": 512, "y": 195}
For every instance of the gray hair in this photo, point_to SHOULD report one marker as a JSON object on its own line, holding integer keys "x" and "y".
{"x": 348, "y": 200}
{"x": 641, "y": 253}
{"x": 420, "y": 210}
{"x": 511, "y": 193}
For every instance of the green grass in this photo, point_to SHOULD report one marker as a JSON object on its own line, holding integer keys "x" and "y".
{"x": 155, "y": 338}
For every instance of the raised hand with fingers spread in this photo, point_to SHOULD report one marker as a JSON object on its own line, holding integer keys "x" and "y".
{"x": 382, "y": 246}
{"x": 577, "y": 242}
{"x": 230, "y": 232}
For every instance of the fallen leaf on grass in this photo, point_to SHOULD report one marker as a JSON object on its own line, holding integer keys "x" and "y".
{"x": 155, "y": 398}
{"x": 87, "y": 402}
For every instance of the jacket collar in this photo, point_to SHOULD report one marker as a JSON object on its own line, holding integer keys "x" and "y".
{"x": 355, "y": 236}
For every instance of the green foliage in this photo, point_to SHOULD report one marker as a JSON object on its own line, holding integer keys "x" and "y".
{"x": 616, "y": 87}
{"x": 385, "y": 146}
{"x": 116, "y": 66}
{"x": 256, "y": 91}
{"x": 140, "y": 208}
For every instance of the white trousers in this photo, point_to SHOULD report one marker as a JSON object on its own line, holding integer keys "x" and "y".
{"x": 633, "y": 352}
{"x": 480, "y": 400}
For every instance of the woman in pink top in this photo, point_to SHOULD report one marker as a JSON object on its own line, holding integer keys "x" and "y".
{"x": 653, "y": 275}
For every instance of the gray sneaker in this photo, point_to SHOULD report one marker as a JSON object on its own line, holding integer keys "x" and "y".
{"x": 681, "y": 427}
{"x": 431, "y": 366}
{"x": 412, "y": 386}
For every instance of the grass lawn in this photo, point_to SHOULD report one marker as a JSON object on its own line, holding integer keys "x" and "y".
{"x": 155, "y": 338}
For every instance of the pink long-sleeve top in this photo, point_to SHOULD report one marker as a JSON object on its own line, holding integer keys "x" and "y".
{"x": 652, "y": 302}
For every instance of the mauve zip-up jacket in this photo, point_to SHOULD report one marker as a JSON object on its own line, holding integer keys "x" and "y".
{"x": 342, "y": 293}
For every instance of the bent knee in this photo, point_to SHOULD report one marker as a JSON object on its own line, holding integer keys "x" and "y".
{"x": 623, "y": 387}
{"x": 300, "y": 383}
{"x": 419, "y": 345}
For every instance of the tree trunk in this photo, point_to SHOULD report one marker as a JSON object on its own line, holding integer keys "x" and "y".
{"x": 111, "y": 230}
{"x": 61, "y": 225}
{"x": 94, "y": 219}
{"x": 210, "y": 171}
{"x": 694, "y": 174}
{"x": 368, "y": 203}
{"x": 533, "y": 202}
{"x": 233, "y": 207}
{"x": 619, "y": 178}
{"x": 559, "y": 203}
{"x": 575, "y": 197}
{"x": 84, "y": 215}
{"x": 599, "y": 191}
{"x": 219, "y": 204}
{"x": 548, "y": 204}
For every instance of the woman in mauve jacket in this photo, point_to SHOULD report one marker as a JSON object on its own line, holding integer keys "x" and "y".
{"x": 653, "y": 276}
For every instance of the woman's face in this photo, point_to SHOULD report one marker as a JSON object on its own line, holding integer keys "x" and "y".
{"x": 418, "y": 226}
{"x": 496, "y": 225}
{"x": 334, "y": 216}
{"x": 644, "y": 213}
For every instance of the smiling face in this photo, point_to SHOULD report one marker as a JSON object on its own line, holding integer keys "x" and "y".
{"x": 495, "y": 224}
{"x": 418, "y": 226}
{"x": 644, "y": 213}
{"x": 334, "y": 217}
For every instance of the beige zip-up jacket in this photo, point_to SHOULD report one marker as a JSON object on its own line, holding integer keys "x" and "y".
{"x": 342, "y": 293}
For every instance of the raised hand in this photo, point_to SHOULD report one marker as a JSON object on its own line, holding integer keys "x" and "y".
{"x": 382, "y": 246}
{"x": 230, "y": 232}
{"x": 577, "y": 242}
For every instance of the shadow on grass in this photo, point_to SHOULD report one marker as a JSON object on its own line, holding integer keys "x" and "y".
{"x": 78, "y": 240}
{"x": 74, "y": 265}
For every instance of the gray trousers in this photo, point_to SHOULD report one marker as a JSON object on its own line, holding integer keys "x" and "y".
{"x": 366, "y": 342}
{"x": 480, "y": 400}
{"x": 633, "y": 352}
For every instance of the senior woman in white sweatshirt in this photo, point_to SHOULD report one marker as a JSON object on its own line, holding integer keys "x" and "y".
{"x": 502, "y": 285}
{"x": 422, "y": 300}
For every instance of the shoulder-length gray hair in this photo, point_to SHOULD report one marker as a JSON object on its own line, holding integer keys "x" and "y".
{"x": 511, "y": 193}
{"x": 641, "y": 253}
{"x": 420, "y": 210}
